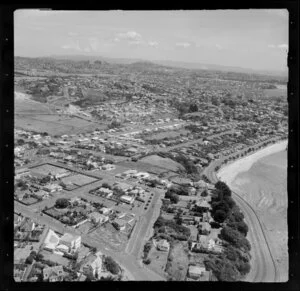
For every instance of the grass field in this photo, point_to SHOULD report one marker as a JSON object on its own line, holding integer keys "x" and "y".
{"x": 178, "y": 262}
{"x": 47, "y": 168}
{"x": 24, "y": 105}
{"x": 41, "y": 117}
{"x": 54, "y": 124}
{"x": 79, "y": 179}
{"x": 167, "y": 134}
{"x": 158, "y": 260}
{"x": 162, "y": 162}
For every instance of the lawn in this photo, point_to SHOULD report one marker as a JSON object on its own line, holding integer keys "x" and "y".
{"x": 158, "y": 260}
{"x": 158, "y": 161}
{"x": 178, "y": 262}
{"x": 45, "y": 169}
{"x": 79, "y": 179}
{"x": 110, "y": 238}
{"x": 53, "y": 124}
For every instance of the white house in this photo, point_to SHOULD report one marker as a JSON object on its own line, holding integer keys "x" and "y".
{"x": 97, "y": 217}
{"x": 71, "y": 241}
{"x": 127, "y": 199}
{"x": 163, "y": 245}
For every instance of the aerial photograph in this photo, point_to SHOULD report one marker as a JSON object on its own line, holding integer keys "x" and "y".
{"x": 150, "y": 145}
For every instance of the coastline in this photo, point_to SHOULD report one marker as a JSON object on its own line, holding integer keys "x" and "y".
{"x": 274, "y": 223}
{"x": 228, "y": 172}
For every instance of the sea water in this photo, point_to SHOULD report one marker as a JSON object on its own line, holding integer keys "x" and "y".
{"x": 264, "y": 186}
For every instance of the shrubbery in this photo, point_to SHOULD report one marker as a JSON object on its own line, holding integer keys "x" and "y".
{"x": 62, "y": 203}
{"x": 111, "y": 265}
{"x": 235, "y": 238}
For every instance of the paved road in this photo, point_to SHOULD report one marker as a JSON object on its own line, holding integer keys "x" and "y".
{"x": 263, "y": 267}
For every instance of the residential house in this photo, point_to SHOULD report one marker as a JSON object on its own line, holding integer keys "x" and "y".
{"x": 199, "y": 273}
{"x": 27, "y": 225}
{"x": 119, "y": 224}
{"x": 105, "y": 210}
{"x": 204, "y": 228}
{"x": 53, "y": 274}
{"x": 52, "y": 188}
{"x": 163, "y": 245}
{"x": 127, "y": 199}
{"x": 93, "y": 265}
{"x": 51, "y": 240}
{"x": 71, "y": 241}
{"x": 97, "y": 217}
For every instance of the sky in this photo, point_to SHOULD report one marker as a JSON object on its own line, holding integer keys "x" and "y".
{"x": 255, "y": 39}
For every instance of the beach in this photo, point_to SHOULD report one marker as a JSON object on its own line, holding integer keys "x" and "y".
{"x": 261, "y": 179}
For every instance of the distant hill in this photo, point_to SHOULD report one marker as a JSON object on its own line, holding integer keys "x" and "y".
{"x": 212, "y": 67}
{"x": 176, "y": 64}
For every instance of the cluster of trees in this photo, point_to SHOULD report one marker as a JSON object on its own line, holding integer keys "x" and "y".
{"x": 181, "y": 232}
{"x": 172, "y": 196}
{"x": 187, "y": 164}
{"x": 114, "y": 124}
{"x": 186, "y": 107}
{"x": 233, "y": 263}
{"x": 222, "y": 203}
{"x": 33, "y": 256}
{"x": 61, "y": 203}
{"x": 111, "y": 265}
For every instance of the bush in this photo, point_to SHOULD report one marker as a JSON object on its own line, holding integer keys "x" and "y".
{"x": 61, "y": 203}
{"x": 240, "y": 226}
{"x": 235, "y": 238}
{"x": 106, "y": 185}
{"x": 111, "y": 265}
{"x": 220, "y": 216}
{"x": 172, "y": 196}
{"x": 29, "y": 260}
{"x": 147, "y": 261}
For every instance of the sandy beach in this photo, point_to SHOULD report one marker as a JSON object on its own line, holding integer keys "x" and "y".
{"x": 228, "y": 172}
{"x": 261, "y": 179}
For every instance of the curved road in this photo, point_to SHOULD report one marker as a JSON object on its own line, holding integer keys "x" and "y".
{"x": 263, "y": 267}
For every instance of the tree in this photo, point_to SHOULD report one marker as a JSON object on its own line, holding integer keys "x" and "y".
{"x": 61, "y": 203}
{"x": 240, "y": 226}
{"x": 220, "y": 216}
{"x": 39, "y": 257}
{"x": 172, "y": 196}
{"x": 106, "y": 185}
{"x": 29, "y": 260}
{"x": 235, "y": 238}
{"x": 111, "y": 265}
{"x": 20, "y": 142}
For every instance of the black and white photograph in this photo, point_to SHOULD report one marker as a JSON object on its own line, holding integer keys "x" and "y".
{"x": 151, "y": 145}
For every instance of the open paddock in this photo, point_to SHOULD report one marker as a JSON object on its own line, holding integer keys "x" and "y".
{"x": 158, "y": 260}
{"x": 55, "y": 124}
{"x": 45, "y": 169}
{"x": 161, "y": 162}
{"x": 110, "y": 238}
{"x": 79, "y": 180}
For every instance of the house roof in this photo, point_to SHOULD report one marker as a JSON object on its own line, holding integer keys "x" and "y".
{"x": 53, "y": 271}
{"x": 196, "y": 270}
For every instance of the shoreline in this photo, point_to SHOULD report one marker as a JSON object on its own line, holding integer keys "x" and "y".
{"x": 228, "y": 172}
